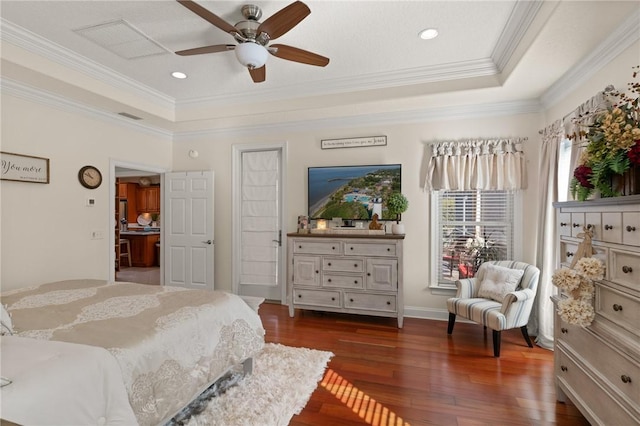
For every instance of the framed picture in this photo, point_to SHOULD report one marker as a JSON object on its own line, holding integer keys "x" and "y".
{"x": 24, "y": 168}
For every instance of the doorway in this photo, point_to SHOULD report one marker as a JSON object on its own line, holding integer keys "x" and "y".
{"x": 136, "y": 217}
{"x": 259, "y": 242}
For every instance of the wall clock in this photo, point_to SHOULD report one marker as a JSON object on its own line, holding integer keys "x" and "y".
{"x": 90, "y": 177}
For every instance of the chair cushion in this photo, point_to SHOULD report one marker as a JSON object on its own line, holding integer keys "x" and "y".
{"x": 498, "y": 281}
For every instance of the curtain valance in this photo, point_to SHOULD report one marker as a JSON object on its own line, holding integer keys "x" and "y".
{"x": 486, "y": 164}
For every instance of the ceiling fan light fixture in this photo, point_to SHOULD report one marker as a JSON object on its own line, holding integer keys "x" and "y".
{"x": 251, "y": 55}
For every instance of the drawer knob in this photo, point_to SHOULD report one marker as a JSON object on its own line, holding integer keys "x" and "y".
{"x": 569, "y": 253}
{"x": 563, "y": 223}
{"x": 333, "y": 248}
{"x": 630, "y": 228}
{"x": 617, "y": 307}
{"x": 576, "y": 225}
{"x": 355, "y": 281}
{"x": 627, "y": 269}
{"x": 333, "y": 298}
{"x": 368, "y": 274}
{"x": 564, "y": 330}
{"x": 388, "y": 249}
{"x": 563, "y": 368}
{"x": 350, "y": 248}
{"x": 388, "y": 303}
{"x": 589, "y": 226}
{"x": 317, "y": 272}
{"x": 608, "y": 227}
{"x": 355, "y": 265}
{"x": 351, "y": 300}
{"x": 329, "y": 263}
{"x": 299, "y": 296}
{"x": 625, "y": 378}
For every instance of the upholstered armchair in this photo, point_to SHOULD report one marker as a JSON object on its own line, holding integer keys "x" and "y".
{"x": 500, "y": 297}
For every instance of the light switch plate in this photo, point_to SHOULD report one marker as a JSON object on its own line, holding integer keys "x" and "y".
{"x": 91, "y": 202}
{"x": 97, "y": 234}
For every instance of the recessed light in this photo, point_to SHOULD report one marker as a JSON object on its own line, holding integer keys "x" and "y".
{"x": 428, "y": 34}
{"x": 178, "y": 74}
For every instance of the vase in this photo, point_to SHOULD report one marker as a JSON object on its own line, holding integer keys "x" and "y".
{"x": 627, "y": 183}
{"x": 397, "y": 228}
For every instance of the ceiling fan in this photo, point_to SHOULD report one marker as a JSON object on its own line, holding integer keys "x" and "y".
{"x": 253, "y": 37}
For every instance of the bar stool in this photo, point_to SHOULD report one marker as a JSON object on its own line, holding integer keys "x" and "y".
{"x": 126, "y": 254}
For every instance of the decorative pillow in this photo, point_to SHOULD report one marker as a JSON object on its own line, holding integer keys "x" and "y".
{"x": 7, "y": 324}
{"x": 498, "y": 281}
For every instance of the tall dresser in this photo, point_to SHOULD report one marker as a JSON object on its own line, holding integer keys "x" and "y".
{"x": 598, "y": 367}
{"x": 358, "y": 274}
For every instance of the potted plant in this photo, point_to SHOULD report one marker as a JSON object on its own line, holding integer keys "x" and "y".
{"x": 396, "y": 205}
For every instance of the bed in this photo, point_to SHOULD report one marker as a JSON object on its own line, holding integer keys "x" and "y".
{"x": 93, "y": 352}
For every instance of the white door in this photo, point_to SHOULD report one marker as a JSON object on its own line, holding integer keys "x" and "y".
{"x": 258, "y": 263}
{"x": 188, "y": 229}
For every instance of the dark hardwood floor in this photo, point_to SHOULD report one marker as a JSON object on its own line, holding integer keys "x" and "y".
{"x": 382, "y": 376}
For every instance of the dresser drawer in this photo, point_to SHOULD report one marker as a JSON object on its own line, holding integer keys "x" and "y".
{"x": 564, "y": 224}
{"x": 631, "y": 228}
{"x": 624, "y": 268}
{"x": 342, "y": 281}
{"x": 326, "y": 298}
{"x": 620, "y": 308}
{"x": 621, "y": 372}
{"x": 317, "y": 247}
{"x": 569, "y": 249}
{"x": 342, "y": 265}
{"x": 601, "y": 407}
{"x": 612, "y": 227}
{"x": 363, "y": 249}
{"x": 372, "y": 302}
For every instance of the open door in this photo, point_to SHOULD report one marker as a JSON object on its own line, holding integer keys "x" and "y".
{"x": 188, "y": 229}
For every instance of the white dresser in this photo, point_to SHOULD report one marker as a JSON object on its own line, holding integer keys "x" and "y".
{"x": 358, "y": 274}
{"x": 598, "y": 367}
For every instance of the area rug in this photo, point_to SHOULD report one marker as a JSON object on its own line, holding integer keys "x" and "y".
{"x": 282, "y": 382}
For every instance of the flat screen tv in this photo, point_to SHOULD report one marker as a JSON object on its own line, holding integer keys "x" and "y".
{"x": 352, "y": 192}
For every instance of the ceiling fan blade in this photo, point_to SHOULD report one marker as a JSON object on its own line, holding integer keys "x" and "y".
{"x": 209, "y": 16}
{"x": 298, "y": 55}
{"x": 284, "y": 20}
{"x": 206, "y": 49}
{"x": 258, "y": 74}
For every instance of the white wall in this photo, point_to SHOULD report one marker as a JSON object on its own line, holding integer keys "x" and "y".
{"x": 405, "y": 145}
{"x": 45, "y": 229}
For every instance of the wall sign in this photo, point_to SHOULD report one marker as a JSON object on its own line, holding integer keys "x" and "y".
{"x": 354, "y": 142}
{"x": 24, "y": 168}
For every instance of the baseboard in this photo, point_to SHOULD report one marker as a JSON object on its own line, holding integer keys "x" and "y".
{"x": 429, "y": 314}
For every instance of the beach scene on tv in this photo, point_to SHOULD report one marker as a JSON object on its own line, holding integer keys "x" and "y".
{"x": 352, "y": 192}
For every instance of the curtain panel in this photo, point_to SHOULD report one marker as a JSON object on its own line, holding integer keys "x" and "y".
{"x": 485, "y": 164}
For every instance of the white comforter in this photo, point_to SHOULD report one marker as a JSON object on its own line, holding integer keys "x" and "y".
{"x": 47, "y": 376}
{"x": 169, "y": 343}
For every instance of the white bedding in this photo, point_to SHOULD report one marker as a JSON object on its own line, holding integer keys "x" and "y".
{"x": 46, "y": 376}
{"x": 168, "y": 343}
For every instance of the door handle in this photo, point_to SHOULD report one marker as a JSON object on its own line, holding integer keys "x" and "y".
{"x": 279, "y": 240}
{"x": 208, "y": 242}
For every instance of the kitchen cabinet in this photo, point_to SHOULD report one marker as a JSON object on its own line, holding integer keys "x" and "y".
{"x": 148, "y": 199}
{"x": 128, "y": 191}
{"x": 143, "y": 247}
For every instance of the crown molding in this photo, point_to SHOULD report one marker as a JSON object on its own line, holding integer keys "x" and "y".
{"x": 617, "y": 42}
{"x": 455, "y": 112}
{"x": 36, "y": 95}
{"x": 522, "y": 15}
{"x": 33, "y": 43}
{"x": 384, "y": 80}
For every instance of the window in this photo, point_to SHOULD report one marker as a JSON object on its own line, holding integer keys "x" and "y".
{"x": 565, "y": 174}
{"x": 470, "y": 227}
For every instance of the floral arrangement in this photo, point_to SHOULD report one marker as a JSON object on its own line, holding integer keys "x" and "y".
{"x": 613, "y": 145}
{"x": 577, "y": 284}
